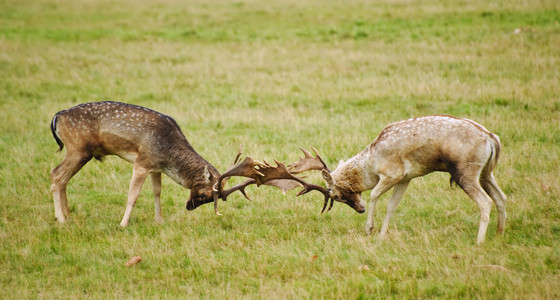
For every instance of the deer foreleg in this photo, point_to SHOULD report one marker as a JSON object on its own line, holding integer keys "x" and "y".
{"x": 384, "y": 184}
{"x": 371, "y": 213}
{"x": 139, "y": 175}
{"x": 156, "y": 186}
{"x": 396, "y": 197}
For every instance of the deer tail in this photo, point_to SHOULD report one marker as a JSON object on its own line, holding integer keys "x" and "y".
{"x": 56, "y": 138}
{"x": 495, "y": 148}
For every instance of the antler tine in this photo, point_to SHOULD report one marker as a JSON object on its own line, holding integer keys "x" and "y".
{"x": 320, "y": 159}
{"x": 310, "y": 187}
{"x": 235, "y": 161}
{"x": 306, "y": 153}
{"x": 241, "y": 187}
{"x": 226, "y": 178}
{"x": 238, "y": 155}
{"x": 247, "y": 168}
{"x": 308, "y": 162}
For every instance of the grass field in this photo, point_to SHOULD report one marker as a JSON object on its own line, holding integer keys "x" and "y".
{"x": 276, "y": 76}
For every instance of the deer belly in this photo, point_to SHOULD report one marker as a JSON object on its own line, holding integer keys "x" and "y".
{"x": 413, "y": 168}
{"x": 128, "y": 156}
{"x": 119, "y": 144}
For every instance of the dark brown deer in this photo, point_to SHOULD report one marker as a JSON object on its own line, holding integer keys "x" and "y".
{"x": 412, "y": 148}
{"x": 151, "y": 141}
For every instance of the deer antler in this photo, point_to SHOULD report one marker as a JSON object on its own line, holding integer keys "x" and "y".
{"x": 308, "y": 162}
{"x": 266, "y": 174}
{"x": 240, "y": 187}
{"x": 247, "y": 168}
{"x": 280, "y": 172}
{"x": 234, "y": 161}
{"x": 283, "y": 184}
{"x": 251, "y": 169}
{"x": 260, "y": 174}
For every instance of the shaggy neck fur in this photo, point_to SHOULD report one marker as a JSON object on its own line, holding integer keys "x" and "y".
{"x": 352, "y": 174}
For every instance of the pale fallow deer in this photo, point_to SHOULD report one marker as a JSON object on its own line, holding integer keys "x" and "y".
{"x": 152, "y": 142}
{"x": 413, "y": 148}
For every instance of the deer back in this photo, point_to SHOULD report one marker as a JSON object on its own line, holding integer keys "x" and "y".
{"x": 421, "y": 145}
{"x": 136, "y": 134}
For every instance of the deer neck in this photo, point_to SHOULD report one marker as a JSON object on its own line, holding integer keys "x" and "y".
{"x": 186, "y": 167}
{"x": 353, "y": 174}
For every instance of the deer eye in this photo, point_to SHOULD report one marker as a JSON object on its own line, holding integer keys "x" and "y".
{"x": 336, "y": 197}
{"x": 202, "y": 196}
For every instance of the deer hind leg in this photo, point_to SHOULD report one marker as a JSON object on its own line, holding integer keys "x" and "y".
{"x": 385, "y": 183}
{"x": 471, "y": 185}
{"x": 156, "y": 187}
{"x": 60, "y": 175}
{"x": 139, "y": 175}
{"x": 489, "y": 184}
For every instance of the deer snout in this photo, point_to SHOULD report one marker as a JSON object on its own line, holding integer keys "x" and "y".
{"x": 191, "y": 205}
{"x": 357, "y": 203}
{"x": 194, "y": 203}
{"x": 198, "y": 200}
{"x": 361, "y": 209}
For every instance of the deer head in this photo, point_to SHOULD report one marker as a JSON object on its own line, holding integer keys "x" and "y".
{"x": 202, "y": 193}
{"x": 342, "y": 192}
{"x": 213, "y": 188}
{"x": 335, "y": 191}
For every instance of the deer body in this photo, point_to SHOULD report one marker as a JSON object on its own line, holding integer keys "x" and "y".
{"x": 415, "y": 147}
{"x": 151, "y": 141}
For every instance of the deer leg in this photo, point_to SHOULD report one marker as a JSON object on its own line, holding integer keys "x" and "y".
{"x": 156, "y": 186}
{"x": 489, "y": 184}
{"x": 384, "y": 184}
{"x": 396, "y": 197}
{"x": 139, "y": 175}
{"x": 64, "y": 201}
{"x": 60, "y": 176}
{"x": 371, "y": 212}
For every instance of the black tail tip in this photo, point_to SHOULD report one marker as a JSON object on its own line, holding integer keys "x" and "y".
{"x": 56, "y": 138}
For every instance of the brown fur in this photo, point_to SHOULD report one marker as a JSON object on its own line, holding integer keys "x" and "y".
{"x": 151, "y": 141}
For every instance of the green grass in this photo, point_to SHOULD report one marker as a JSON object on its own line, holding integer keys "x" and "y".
{"x": 276, "y": 76}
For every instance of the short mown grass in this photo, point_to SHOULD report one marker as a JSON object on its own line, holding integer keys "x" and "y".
{"x": 276, "y": 76}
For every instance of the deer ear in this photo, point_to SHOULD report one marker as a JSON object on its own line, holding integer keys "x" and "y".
{"x": 340, "y": 163}
{"x": 327, "y": 176}
{"x": 206, "y": 174}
